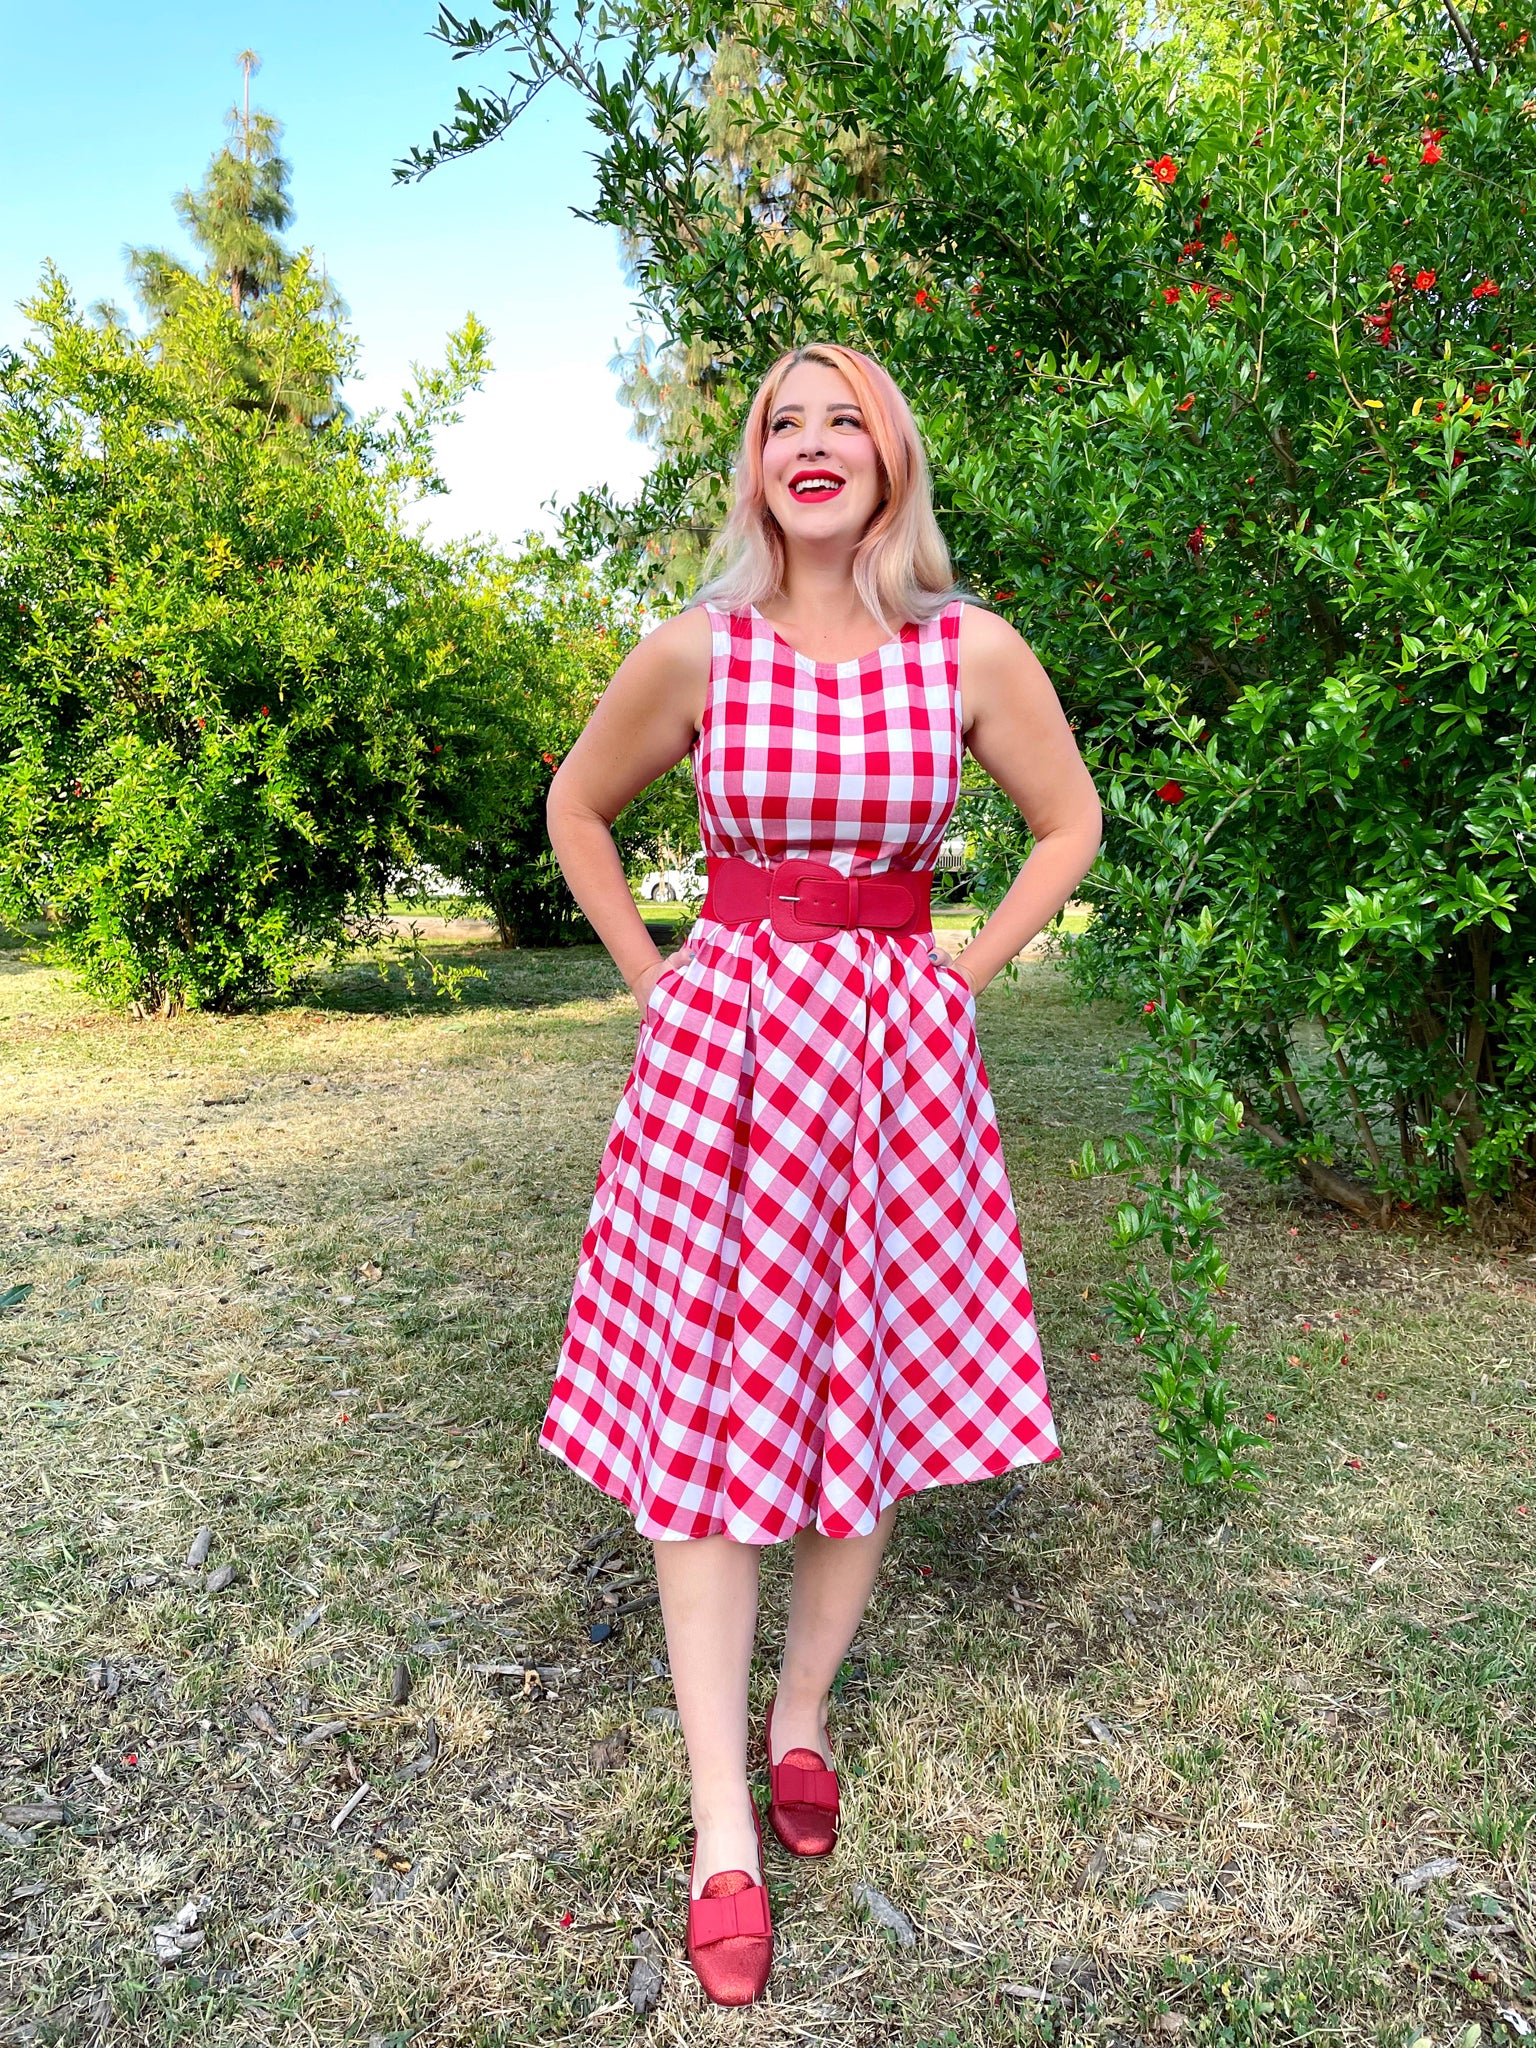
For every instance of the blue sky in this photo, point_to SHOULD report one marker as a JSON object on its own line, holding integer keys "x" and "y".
{"x": 106, "y": 112}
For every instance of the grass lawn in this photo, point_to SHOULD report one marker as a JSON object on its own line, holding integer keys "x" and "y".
{"x": 1131, "y": 1770}
{"x": 669, "y": 922}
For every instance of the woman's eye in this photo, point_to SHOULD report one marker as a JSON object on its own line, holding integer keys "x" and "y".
{"x": 838, "y": 420}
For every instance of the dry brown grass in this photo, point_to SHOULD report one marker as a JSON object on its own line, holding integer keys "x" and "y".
{"x": 1133, "y": 1770}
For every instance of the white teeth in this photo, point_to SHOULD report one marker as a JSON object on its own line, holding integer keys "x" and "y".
{"x": 819, "y": 486}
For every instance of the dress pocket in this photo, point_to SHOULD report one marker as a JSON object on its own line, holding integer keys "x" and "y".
{"x": 967, "y": 992}
{"x": 661, "y": 987}
{"x": 947, "y": 968}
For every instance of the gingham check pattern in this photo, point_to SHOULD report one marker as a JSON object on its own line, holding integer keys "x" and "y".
{"x": 801, "y": 1292}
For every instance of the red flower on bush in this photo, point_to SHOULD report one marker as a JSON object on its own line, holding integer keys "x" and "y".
{"x": 1197, "y": 540}
{"x": 1486, "y": 290}
{"x": 921, "y": 299}
{"x": 1170, "y": 295}
{"x": 1424, "y": 280}
{"x": 548, "y": 759}
{"x": 1163, "y": 168}
{"x": 1149, "y": 1006}
{"x": 1379, "y": 161}
{"x": 1432, "y": 152}
{"x": 1185, "y": 403}
{"x": 1171, "y": 793}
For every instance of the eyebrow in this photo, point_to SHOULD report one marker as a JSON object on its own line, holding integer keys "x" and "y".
{"x": 843, "y": 405}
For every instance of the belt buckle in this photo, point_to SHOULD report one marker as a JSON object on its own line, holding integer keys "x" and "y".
{"x": 808, "y": 899}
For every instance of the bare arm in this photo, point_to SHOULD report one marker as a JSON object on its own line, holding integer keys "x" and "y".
{"x": 1020, "y": 735}
{"x": 643, "y": 725}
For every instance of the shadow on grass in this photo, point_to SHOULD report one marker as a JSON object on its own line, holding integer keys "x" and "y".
{"x": 447, "y": 976}
{"x": 467, "y": 977}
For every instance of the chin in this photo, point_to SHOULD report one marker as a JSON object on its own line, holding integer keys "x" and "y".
{"x": 844, "y": 527}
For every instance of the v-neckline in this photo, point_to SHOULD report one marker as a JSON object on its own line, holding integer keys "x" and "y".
{"x": 853, "y": 660}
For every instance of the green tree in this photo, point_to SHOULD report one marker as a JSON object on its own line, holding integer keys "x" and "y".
{"x": 218, "y": 645}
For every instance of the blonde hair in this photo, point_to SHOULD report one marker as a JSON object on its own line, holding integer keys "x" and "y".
{"x": 901, "y": 568}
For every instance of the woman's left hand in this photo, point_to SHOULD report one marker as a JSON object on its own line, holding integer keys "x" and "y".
{"x": 942, "y": 957}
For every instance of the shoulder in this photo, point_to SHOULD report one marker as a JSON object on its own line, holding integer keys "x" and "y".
{"x": 679, "y": 648}
{"x": 987, "y": 635}
{"x": 685, "y": 633}
{"x": 996, "y": 661}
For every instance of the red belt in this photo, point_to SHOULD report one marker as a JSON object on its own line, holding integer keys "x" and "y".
{"x": 807, "y": 899}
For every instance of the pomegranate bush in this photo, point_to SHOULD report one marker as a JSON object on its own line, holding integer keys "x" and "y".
{"x": 1222, "y": 349}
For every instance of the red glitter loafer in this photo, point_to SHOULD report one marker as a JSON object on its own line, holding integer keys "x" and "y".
{"x": 730, "y": 1934}
{"x": 802, "y": 1798}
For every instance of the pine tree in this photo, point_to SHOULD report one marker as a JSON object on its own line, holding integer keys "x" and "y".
{"x": 236, "y": 219}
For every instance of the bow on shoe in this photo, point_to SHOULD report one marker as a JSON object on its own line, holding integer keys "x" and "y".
{"x": 796, "y": 1786}
{"x": 744, "y": 1912}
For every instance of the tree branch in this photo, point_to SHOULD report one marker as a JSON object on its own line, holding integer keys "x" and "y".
{"x": 1465, "y": 35}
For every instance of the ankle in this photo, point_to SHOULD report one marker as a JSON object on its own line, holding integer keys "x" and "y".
{"x": 800, "y": 1702}
{"x": 799, "y": 1720}
{"x": 721, "y": 1806}
{"x": 725, "y": 1842}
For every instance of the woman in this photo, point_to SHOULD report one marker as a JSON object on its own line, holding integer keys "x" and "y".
{"x": 801, "y": 1292}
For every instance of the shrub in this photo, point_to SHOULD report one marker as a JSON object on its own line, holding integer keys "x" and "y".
{"x": 217, "y": 649}
{"x": 538, "y": 637}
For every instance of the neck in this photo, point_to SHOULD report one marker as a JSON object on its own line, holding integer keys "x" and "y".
{"x": 819, "y": 586}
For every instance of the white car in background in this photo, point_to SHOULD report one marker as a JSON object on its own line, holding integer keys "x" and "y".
{"x": 688, "y": 883}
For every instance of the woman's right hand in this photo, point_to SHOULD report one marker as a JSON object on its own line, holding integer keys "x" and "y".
{"x": 643, "y": 984}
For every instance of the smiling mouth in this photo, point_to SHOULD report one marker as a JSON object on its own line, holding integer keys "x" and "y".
{"x": 811, "y": 489}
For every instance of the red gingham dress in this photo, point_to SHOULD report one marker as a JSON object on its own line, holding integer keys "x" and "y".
{"x": 801, "y": 1292}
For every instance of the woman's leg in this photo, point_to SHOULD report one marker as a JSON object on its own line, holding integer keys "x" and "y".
{"x": 708, "y": 1588}
{"x": 834, "y": 1577}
